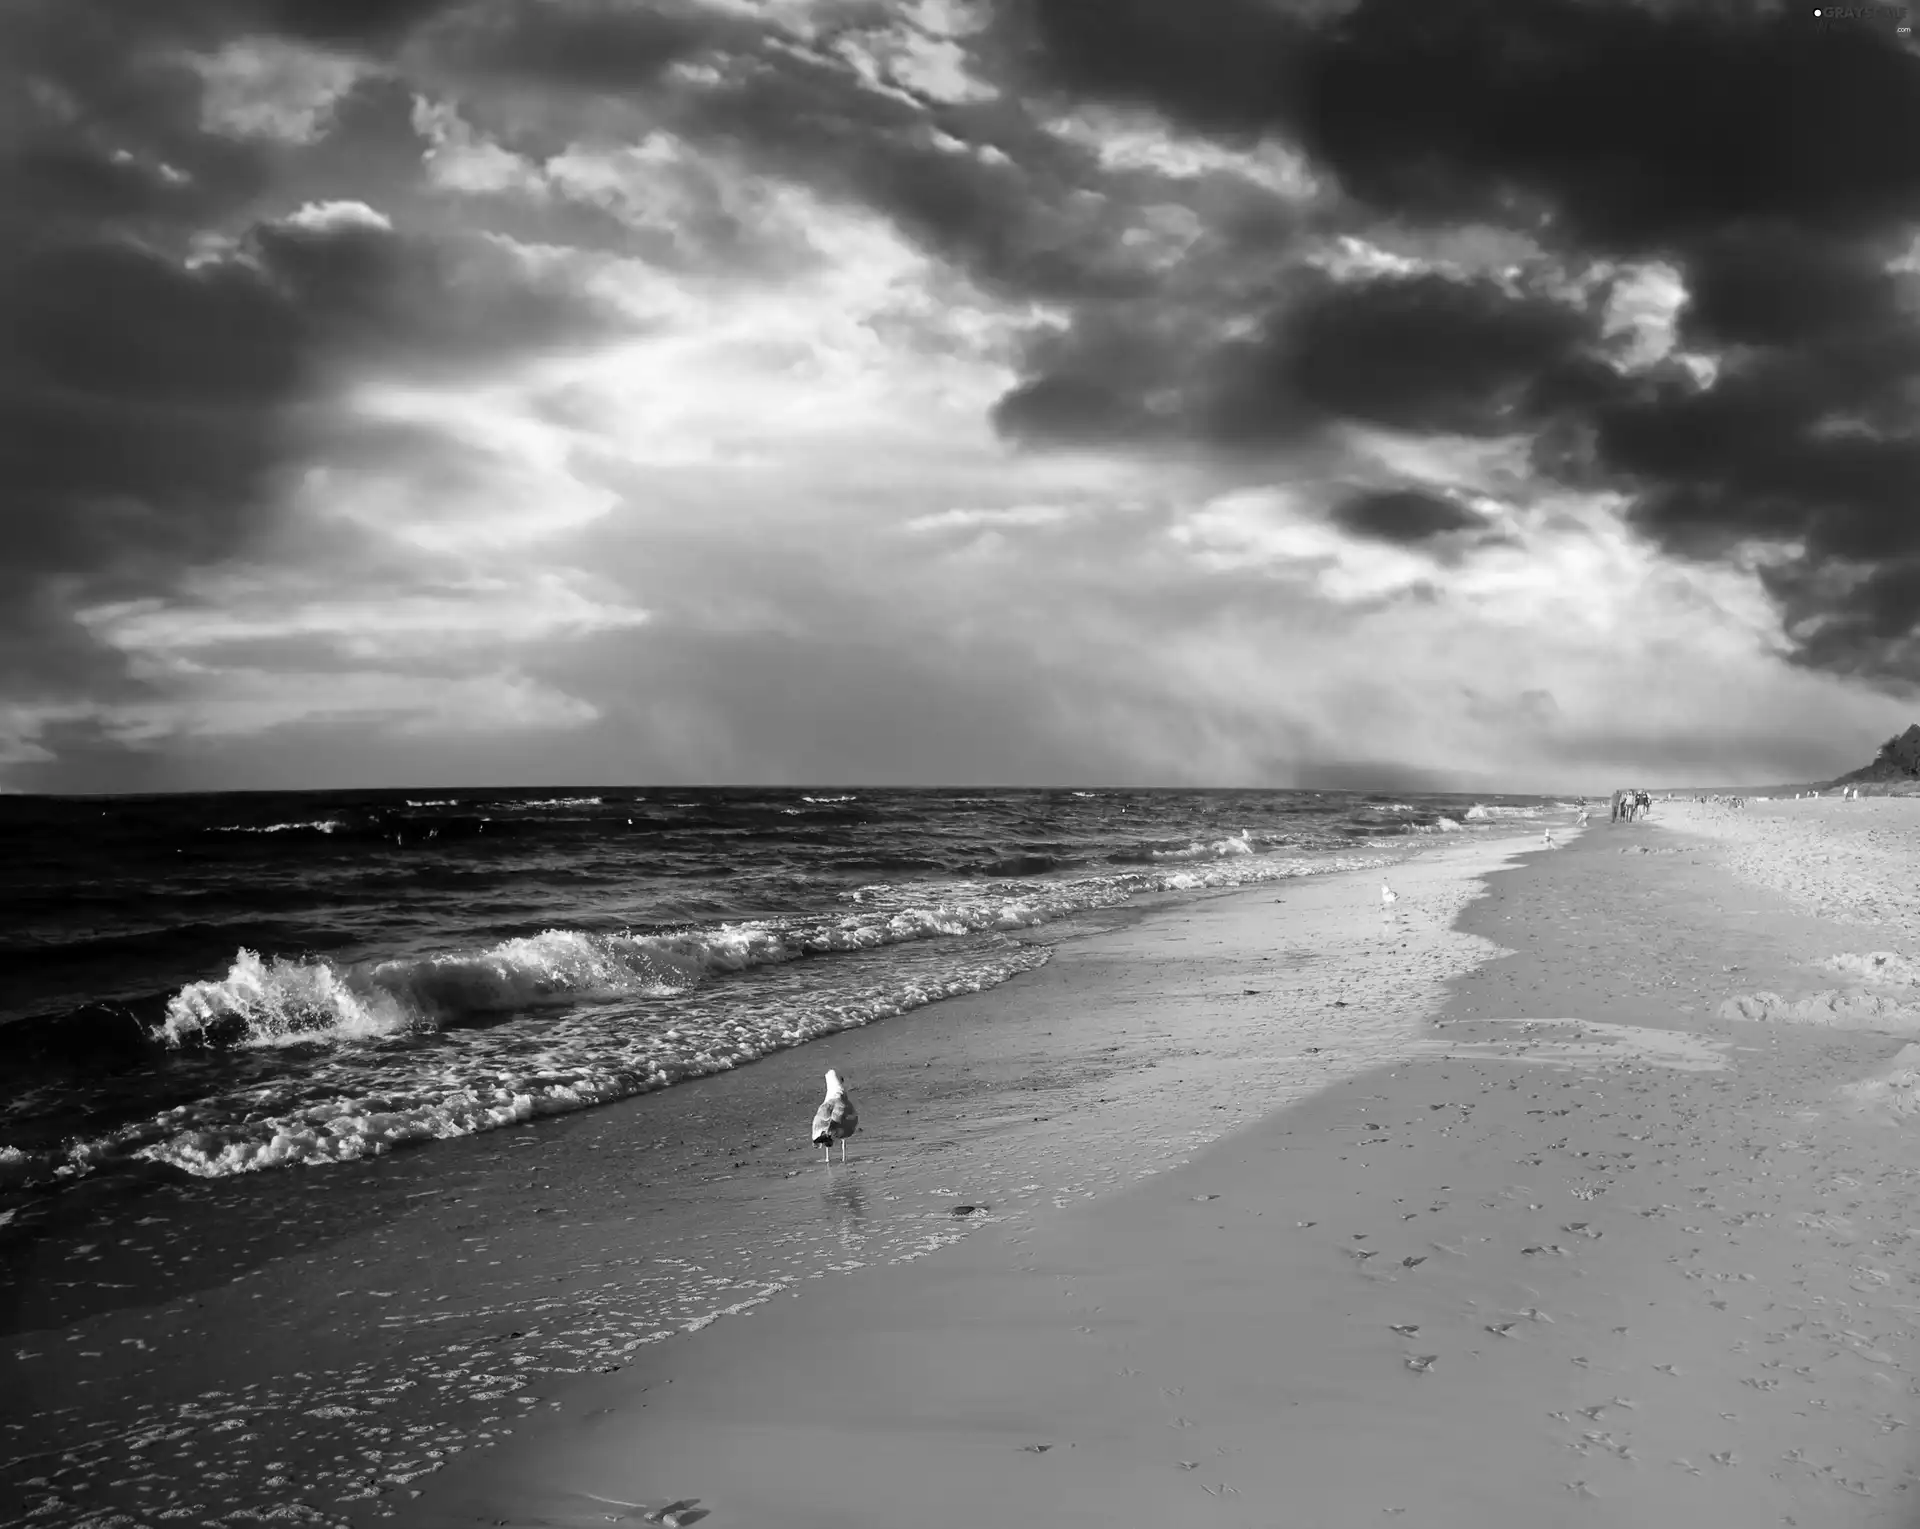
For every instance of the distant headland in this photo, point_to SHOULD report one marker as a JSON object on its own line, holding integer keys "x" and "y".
{"x": 1896, "y": 767}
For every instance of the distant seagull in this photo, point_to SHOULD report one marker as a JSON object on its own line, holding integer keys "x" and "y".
{"x": 1546, "y": 838}
{"x": 1388, "y": 897}
{"x": 836, "y": 1119}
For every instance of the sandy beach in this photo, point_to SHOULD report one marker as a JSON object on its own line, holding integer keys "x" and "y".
{"x": 316, "y": 1344}
{"x": 1581, "y": 1240}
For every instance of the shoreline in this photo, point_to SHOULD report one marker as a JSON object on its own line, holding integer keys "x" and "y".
{"x": 394, "y": 1313}
{"x": 1645, "y": 1255}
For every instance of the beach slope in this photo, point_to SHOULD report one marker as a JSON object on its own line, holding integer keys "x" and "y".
{"x": 1589, "y": 1249}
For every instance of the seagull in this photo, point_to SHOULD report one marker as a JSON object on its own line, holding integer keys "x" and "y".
{"x": 836, "y": 1119}
{"x": 1388, "y": 897}
{"x": 1546, "y": 838}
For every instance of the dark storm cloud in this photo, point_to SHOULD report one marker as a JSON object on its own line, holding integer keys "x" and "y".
{"x": 1423, "y": 353}
{"x": 1404, "y": 517}
{"x": 1857, "y": 625}
{"x": 1029, "y": 222}
{"x": 350, "y": 22}
{"x": 1419, "y": 353}
{"x": 1600, "y": 108}
{"x": 419, "y": 304}
{"x": 591, "y": 45}
{"x": 1773, "y": 159}
{"x": 1018, "y": 209}
{"x": 150, "y": 396}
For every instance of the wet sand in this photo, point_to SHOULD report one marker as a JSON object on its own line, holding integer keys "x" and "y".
{"x": 1584, "y": 1245}
{"x": 313, "y": 1345}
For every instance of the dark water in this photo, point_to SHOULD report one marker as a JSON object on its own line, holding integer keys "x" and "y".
{"x": 215, "y": 984}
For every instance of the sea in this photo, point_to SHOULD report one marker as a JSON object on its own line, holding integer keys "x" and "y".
{"x": 203, "y": 997}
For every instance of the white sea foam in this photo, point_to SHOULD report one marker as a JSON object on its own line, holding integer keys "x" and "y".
{"x": 372, "y": 1099}
{"x": 1218, "y": 849}
{"x": 822, "y": 801}
{"x": 1479, "y": 812}
{"x": 493, "y": 1078}
{"x": 280, "y": 1001}
{"x": 16, "y": 1167}
{"x": 320, "y": 825}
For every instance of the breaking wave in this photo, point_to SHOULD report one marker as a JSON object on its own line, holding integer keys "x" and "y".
{"x": 319, "y": 825}
{"x": 481, "y": 1080}
{"x": 281, "y": 1001}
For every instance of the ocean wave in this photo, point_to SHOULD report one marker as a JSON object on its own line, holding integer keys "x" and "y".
{"x": 1479, "y": 812}
{"x": 625, "y": 1013}
{"x": 824, "y": 801}
{"x": 284, "y": 1001}
{"x": 318, "y": 825}
{"x": 445, "y": 801}
{"x": 488, "y": 1079}
{"x": 1218, "y": 849}
{"x": 290, "y": 1001}
{"x": 554, "y": 801}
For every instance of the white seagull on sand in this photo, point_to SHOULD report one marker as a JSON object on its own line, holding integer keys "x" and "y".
{"x": 1546, "y": 838}
{"x": 1388, "y": 897}
{"x": 836, "y": 1119}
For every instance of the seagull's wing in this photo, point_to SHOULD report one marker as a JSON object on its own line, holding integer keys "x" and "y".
{"x": 822, "y": 1120}
{"x": 846, "y": 1119}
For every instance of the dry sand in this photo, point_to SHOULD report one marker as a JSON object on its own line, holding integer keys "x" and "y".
{"x": 1584, "y": 1246}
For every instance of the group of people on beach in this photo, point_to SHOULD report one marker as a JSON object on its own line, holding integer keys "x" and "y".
{"x": 1629, "y": 804}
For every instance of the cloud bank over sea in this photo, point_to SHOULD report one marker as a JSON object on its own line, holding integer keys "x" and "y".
{"x": 1241, "y": 392}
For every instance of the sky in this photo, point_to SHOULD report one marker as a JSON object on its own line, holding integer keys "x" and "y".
{"x": 1491, "y": 394}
